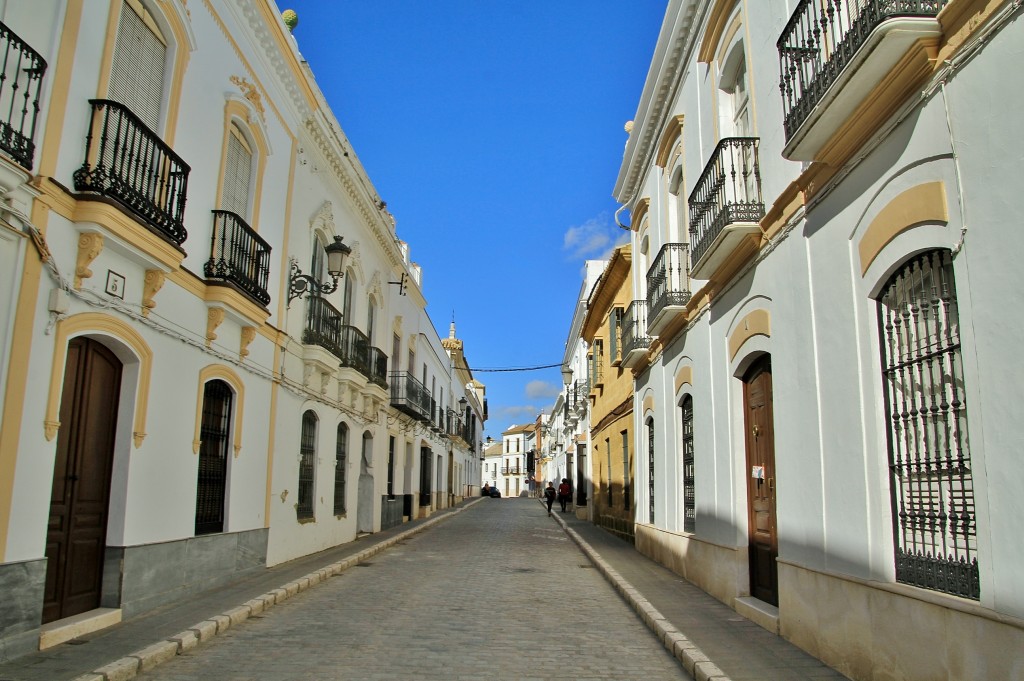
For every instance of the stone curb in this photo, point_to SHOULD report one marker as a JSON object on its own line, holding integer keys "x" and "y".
{"x": 131, "y": 665}
{"x": 696, "y": 663}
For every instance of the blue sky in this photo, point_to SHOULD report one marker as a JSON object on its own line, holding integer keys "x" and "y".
{"x": 494, "y": 132}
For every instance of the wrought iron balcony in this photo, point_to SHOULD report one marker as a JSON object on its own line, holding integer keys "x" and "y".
{"x": 635, "y": 340}
{"x": 726, "y": 204}
{"x": 668, "y": 286}
{"x": 125, "y": 160}
{"x": 323, "y": 325}
{"x": 831, "y": 55}
{"x": 21, "y": 77}
{"x": 239, "y": 256}
{"x": 410, "y": 396}
{"x": 378, "y": 367}
{"x": 512, "y": 470}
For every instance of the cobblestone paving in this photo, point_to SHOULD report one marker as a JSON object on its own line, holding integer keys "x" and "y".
{"x": 497, "y": 592}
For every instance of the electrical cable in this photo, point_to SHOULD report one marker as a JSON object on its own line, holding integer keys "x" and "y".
{"x": 534, "y": 368}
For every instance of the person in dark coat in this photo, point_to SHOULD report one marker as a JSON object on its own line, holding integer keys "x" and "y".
{"x": 549, "y": 496}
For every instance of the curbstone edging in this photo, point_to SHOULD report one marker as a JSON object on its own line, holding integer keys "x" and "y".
{"x": 186, "y": 640}
{"x": 124, "y": 669}
{"x": 154, "y": 654}
{"x": 205, "y": 630}
{"x": 683, "y": 649}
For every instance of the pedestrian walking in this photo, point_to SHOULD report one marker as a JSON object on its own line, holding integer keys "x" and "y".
{"x": 564, "y": 493}
{"x": 549, "y": 495}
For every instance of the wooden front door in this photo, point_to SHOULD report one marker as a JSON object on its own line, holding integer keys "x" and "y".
{"x": 760, "y": 472}
{"x": 76, "y": 534}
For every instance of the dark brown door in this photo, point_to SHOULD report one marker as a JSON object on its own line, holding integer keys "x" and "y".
{"x": 76, "y": 534}
{"x": 760, "y": 443}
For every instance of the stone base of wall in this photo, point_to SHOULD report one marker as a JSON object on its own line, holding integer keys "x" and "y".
{"x": 719, "y": 570}
{"x": 140, "y": 578}
{"x": 620, "y": 527}
{"x": 874, "y": 631}
{"x": 21, "y": 612}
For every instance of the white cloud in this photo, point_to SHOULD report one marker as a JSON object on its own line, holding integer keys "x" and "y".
{"x": 536, "y": 390}
{"x": 593, "y": 237}
{"x": 517, "y": 415}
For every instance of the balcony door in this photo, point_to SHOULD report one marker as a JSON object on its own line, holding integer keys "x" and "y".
{"x": 80, "y": 498}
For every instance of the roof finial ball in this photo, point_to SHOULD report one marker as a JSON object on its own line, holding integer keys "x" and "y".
{"x": 291, "y": 19}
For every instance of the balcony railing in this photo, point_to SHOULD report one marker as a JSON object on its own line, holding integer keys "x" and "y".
{"x": 125, "y": 160}
{"x": 378, "y": 367}
{"x": 323, "y": 325}
{"x": 822, "y": 38}
{"x": 512, "y": 470}
{"x": 668, "y": 285}
{"x": 239, "y": 256}
{"x": 727, "y": 193}
{"x": 410, "y": 396}
{"x": 21, "y": 77}
{"x": 635, "y": 340}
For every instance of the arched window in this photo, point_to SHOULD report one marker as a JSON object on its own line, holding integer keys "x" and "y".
{"x": 735, "y": 105}
{"x": 307, "y": 466}
{"x": 650, "y": 468}
{"x": 215, "y": 442}
{"x": 340, "y": 466}
{"x": 926, "y": 424}
{"x": 689, "y": 486}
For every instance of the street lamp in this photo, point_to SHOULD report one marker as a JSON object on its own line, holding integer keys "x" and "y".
{"x": 566, "y": 374}
{"x": 300, "y": 284}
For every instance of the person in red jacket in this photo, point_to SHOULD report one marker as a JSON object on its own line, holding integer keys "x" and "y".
{"x": 564, "y": 493}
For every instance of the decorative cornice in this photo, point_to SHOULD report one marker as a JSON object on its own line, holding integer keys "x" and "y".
{"x": 273, "y": 44}
{"x": 674, "y": 43}
{"x": 370, "y": 214}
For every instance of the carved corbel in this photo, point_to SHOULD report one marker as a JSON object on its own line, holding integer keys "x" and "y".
{"x": 137, "y": 438}
{"x": 152, "y": 284}
{"x": 214, "y": 318}
{"x": 248, "y": 335}
{"x": 50, "y": 429}
{"x": 89, "y": 247}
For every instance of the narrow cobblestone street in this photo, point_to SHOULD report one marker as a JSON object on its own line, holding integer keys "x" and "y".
{"x": 482, "y": 595}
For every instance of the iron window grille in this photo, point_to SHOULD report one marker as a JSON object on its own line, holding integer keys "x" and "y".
{"x": 626, "y": 483}
{"x": 689, "y": 486}
{"x": 307, "y": 470}
{"x": 340, "y": 468}
{"x": 929, "y": 453}
{"x": 650, "y": 469}
{"x": 21, "y": 77}
{"x": 391, "y": 467}
{"x": 215, "y": 440}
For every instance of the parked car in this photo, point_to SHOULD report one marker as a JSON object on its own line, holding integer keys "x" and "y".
{"x": 495, "y": 493}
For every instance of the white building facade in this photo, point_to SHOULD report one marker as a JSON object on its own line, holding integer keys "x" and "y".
{"x": 822, "y": 256}
{"x": 194, "y": 388}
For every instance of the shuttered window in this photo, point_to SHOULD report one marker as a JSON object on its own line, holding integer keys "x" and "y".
{"x": 237, "y": 172}
{"x": 137, "y": 72}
